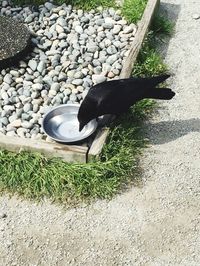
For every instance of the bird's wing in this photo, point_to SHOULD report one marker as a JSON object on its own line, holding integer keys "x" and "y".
{"x": 113, "y": 97}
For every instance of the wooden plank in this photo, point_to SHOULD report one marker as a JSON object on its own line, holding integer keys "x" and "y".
{"x": 69, "y": 153}
{"x": 143, "y": 26}
{"x": 98, "y": 143}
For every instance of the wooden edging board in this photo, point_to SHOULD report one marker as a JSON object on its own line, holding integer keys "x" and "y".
{"x": 72, "y": 153}
{"x": 127, "y": 68}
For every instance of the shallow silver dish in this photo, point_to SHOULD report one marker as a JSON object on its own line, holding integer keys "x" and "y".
{"x": 62, "y": 125}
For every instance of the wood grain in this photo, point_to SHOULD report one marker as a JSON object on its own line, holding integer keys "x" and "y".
{"x": 69, "y": 153}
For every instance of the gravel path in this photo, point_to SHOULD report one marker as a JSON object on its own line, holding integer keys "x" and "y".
{"x": 156, "y": 224}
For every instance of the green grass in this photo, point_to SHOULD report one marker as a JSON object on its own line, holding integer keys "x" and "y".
{"x": 133, "y": 9}
{"x": 163, "y": 26}
{"x": 34, "y": 176}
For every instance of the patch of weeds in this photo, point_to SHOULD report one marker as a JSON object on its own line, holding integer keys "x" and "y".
{"x": 133, "y": 9}
{"x": 162, "y": 25}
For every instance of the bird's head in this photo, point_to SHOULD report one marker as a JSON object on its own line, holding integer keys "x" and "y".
{"x": 87, "y": 112}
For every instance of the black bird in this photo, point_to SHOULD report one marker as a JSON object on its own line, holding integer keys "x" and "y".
{"x": 116, "y": 96}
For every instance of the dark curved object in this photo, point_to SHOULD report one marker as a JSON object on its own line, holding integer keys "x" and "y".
{"x": 15, "y": 42}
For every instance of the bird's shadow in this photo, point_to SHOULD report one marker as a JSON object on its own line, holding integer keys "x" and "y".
{"x": 167, "y": 131}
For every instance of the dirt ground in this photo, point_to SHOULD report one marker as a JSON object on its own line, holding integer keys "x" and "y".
{"x": 152, "y": 225}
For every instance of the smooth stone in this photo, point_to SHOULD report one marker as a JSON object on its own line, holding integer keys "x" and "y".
{"x": 112, "y": 59}
{"x": 79, "y": 29}
{"x": 65, "y": 99}
{"x": 41, "y": 66}
{"x": 29, "y": 19}
{"x": 84, "y": 20}
{"x": 32, "y": 64}
{"x": 8, "y": 108}
{"x": 117, "y": 29}
{"x": 98, "y": 70}
{"x": 71, "y": 73}
{"x": 4, "y": 95}
{"x": 27, "y": 107}
{"x": 78, "y": 75}
{"x": 91, "y": 47}
{"x": 52, "y": 93}
{"x": 14, "y": 73}
{"x": 55, "y": 87}
{"x": 16, "y": 123}
{"x": 98, "y": 78}
{"x": 77, "y": 82}
{"x": 73, "y": 98}
{"x": 111, "y": 50}
{"x": 96, "y": 63}
{"x": 54, "y": 16}
{"x": 21, "y": 132}
{"x": 48, "y": 5}
{"x": 128, "y": 29}
{"x": 108, "y": 25}
{"x": 37, "y": 87}
{"x": 4, "y": 121}
{"x": 27, "y": 125}
{"x": 19, "y": 80}
{"x": 67, "y": 91}
{"x": 59, "y": 29}
{"x": 48, "y": 80}
{"x": 196, "y": 16}
{"x": 8, "y": 79}
{"x": 111, "y": 74}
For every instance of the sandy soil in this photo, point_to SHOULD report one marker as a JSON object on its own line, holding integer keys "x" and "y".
{"x": 153, "y": 225}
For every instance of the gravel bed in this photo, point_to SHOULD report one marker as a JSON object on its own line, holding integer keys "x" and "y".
{"x": 73, "y": 51}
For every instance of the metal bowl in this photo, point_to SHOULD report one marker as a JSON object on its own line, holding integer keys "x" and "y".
{"x": 62, "y": 125}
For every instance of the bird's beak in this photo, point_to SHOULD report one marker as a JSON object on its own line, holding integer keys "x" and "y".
{"x": 81, "y": 126}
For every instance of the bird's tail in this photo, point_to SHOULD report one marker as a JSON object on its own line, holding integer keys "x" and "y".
{"x": 160, "y": 93}
{"x": 154, "y": 81}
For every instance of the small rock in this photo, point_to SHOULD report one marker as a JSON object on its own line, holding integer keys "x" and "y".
{"x": 73, "y": 98}
{"x": 111, "y": 50}
{"x": 16, "y": 123}
{"x": 79, "y": 29}
{"x": 48, "y": 5}
{"x": 41, "y": 66}
{"x": 3, "y": 215}
{"x": 27, "y": 107}
{"x": 59, "y": 29}
{"x": 8, "y": 79}
{"x": 32, "y": 64}
{"x": 14, "y": 73}
{"x": 108, "y": 25}
{"x": 77, "y": 82}
{"x": 117, "y": 29}
{"x": 27, "y": 125}
{"x": 196, "y": 16}
{"x": 98, "y": 78}
{"x": 112, "y": 59}
{"x": 37, "y": 87}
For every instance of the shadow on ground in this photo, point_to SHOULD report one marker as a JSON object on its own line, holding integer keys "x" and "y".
{"x": 167, "y": 131}
{"x": 171, "y": 12}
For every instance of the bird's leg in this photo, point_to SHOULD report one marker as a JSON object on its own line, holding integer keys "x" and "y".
{"x": 105, "y": 120}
